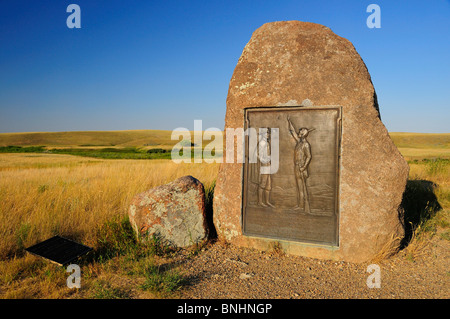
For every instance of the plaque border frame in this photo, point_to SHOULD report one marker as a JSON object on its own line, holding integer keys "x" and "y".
{"x": 337, "y": 176}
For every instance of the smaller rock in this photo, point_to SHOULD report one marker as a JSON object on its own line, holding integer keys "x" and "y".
{"x": 237, "y": 262}
{"x": 245, "y": 276}
{"x": 175, "y": 213}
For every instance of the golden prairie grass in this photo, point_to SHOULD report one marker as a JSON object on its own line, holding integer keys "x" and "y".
{"x": 420, "y": 153}
{"x": 20, "y": 161}
{"x": 71, "y": 196}
{"x": 96, "y": 139}
{"x": 421, "y": 140}
{"x": 437, "y": 172}
{"x": 430, "y": 181}
{"x": 422, "y": 145}
{"x": 390, "y": 248}
{"x": 426, "y": 205}
{"x": 42, "y": 195}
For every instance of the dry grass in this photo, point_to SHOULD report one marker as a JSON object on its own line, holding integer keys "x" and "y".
{"x": 20, "y": 161}
{"x": 430, "y": 181}
{"x": 421, "y": 140}
{"x": 390, "y": 248}
{"x": 427, "y": 205}
{"x": 437, "y": 172}
{"x": 96, "y": 139}
{"x": 42, "y": 195}
{"x": 46, "y": 194}
{"x": 420, "y": 153}
{"x": 71, "y": 196}
{"x": 422, "y": 145}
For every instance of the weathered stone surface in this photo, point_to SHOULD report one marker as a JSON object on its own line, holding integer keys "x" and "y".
{"x": 174, "y": 212}
{"x": 299, "y": 63}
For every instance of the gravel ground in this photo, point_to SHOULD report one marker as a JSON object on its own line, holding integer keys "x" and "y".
{"x": 225, "y": 271}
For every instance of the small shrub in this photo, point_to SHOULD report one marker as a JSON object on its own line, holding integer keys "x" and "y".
{"x": 437, "y": 166}
{"x": 20, "y": 149}
{"x": 157, "y": 246}
{"x": 445, "y": 235}
{"x": 103, "y": 290}
{"x": 276, "y": 248}
{"x": 157, "y": 150}
{"x": 21, "y": 235}
{"x": 42, "y": 188}
{"x": 115, "y": 238}
{"x": 159, "y": 280}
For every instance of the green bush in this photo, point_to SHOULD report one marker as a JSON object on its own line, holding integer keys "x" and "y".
{"x": 157, "y": 150}
{"x": 115, "y": 238}
{"x": 20, "y": 149}
{"x": 158, "y": 279}
{"x": 437, "y": 166}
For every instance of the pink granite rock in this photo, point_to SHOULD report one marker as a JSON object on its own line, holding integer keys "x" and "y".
{"x": 174, "y": 212}
{"x": 294, "y": 63}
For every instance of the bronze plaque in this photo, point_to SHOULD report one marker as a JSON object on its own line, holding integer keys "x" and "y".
{"x": 291, "y": 174}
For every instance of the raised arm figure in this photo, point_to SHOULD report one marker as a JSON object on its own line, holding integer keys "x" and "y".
{"x": 302, "y": 159}
{"x": 292, "y": 129}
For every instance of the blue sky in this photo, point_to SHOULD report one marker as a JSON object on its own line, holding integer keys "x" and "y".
{"x": 163, "y": 64}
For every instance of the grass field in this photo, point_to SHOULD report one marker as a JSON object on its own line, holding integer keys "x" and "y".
{"x": 422, "y": 145}
{"x": 145, "y": 144}
{"x": 137, "y": 138}
{"x": 86, "y": 199}
{"x": 44, "y": 195}
{"x": 134, "y": 144}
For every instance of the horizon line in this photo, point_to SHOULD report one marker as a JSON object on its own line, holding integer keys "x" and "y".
{"x": 135, "y": 130}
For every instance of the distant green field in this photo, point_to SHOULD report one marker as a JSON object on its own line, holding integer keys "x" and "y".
{"x": 105, "y": 153}
{"x": 141, "y": 144}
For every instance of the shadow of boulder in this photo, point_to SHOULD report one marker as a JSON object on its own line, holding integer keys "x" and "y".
{"x": 209, "y": 198}
{"x": 419, "y": 204}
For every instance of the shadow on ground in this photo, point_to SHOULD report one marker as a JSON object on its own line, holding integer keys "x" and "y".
{"x": 419, "y": 204}
{"x": 209, "y": 198}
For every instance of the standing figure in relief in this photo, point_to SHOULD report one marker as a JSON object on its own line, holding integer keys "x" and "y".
{"x": 302, "y": 158}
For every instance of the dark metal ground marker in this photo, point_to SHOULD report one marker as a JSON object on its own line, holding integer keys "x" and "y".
{"x": 59, "y": 250}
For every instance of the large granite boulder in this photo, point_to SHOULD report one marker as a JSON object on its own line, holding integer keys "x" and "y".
{"x": 299, "y": 63}
{"x": 174, "y": 212}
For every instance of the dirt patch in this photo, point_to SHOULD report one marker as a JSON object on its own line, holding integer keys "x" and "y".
{"x": 224, "y": 271}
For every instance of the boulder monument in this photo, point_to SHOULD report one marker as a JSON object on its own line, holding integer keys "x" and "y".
{"x": 297, "y": 66}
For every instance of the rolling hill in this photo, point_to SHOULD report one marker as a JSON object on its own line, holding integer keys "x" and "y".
{"x": 137, "y": 138}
